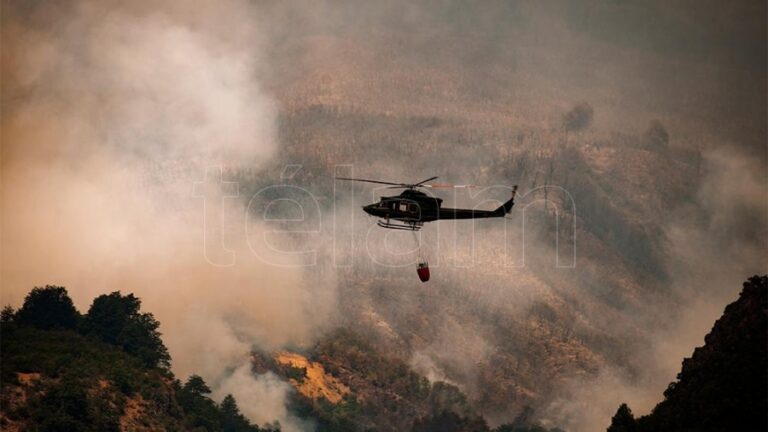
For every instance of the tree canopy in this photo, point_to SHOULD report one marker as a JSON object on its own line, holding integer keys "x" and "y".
{"x": 116, "y": 319}
{"x": 623, "y": 420}
{"x": 231, "y": 418}
{"x": 47, "y": 308}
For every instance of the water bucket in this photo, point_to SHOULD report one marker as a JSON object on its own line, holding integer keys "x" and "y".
{"x": 423, "y": 271}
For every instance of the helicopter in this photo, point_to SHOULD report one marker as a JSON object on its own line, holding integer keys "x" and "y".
{"x": 412, "y": 208}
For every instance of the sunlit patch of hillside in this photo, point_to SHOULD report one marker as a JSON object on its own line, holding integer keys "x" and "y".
{"x": 316, "y": 383}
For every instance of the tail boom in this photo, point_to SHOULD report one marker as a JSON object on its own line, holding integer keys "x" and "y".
{"x": 503, "y": 210}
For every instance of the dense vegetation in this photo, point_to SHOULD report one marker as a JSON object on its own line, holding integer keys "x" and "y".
{"x": 386, "y": 394}
{"x": 723, "y": 385}
{"x": 106, "y": 370}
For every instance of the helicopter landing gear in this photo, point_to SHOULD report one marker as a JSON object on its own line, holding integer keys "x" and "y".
{"x": 405, "y": 226}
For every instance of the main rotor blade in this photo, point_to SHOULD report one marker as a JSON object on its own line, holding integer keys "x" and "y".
{"x": 424, "y": 181}
{"x": 447, "y": 186}
{"x": 372, "y": 181}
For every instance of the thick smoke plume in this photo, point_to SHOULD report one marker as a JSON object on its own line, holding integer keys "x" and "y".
{"x": 111, "y": 112}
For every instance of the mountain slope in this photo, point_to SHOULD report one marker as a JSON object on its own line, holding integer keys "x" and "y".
{"x": 722, "y": 386}
{"x": 346, "y": 384}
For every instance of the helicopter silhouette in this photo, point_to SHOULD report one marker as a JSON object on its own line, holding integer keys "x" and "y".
{"x": 412, "y": 208}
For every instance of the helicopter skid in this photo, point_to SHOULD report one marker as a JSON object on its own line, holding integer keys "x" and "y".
{"x": 406, "y": 226}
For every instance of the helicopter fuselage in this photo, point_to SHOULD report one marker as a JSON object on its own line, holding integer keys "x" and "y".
{"x": 414, "y": 208}
{"x": 409, "y": 206}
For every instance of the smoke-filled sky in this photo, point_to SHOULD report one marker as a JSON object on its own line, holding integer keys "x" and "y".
{"x": 112, "y": 111}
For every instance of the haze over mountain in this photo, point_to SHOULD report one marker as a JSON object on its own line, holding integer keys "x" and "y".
{"x": 636, "y": 132}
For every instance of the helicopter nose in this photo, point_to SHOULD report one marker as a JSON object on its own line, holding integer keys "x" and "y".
{"x": 368, "y": 209}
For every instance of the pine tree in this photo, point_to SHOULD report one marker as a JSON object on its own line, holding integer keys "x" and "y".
{"x": 623, "y": 420}
{"x": 7, "y": 314}
{"x": 231, "y": 418}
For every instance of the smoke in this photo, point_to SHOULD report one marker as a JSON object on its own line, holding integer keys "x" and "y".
{"x": 111, "y": 113}
{"x": 472, "y": 89}
{"x": 715, "y": 243}
{"x": 489, "y": 78}
{"x": 579, "y": 117}
{"x": 269, "y": 390}
{"x": 588, "y": 404}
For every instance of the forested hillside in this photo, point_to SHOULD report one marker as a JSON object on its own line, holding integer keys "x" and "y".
{"x": 346, "y": 384}
{"x": 106, "y": 370}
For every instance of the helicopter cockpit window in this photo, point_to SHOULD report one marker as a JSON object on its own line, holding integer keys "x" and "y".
{"x": 403, "y": 207}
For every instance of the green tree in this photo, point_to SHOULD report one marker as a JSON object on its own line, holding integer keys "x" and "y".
{"x": 66, "y": 407}
{"x": 117, "y": 320}
{"x": 524, "y": 422}
{"x": 623, "y": 420}
{"x": 196, "y": 386}
{"x": 202, "y": 411}
{"x": 48, "y": 308}
{"x": 7, "y": 314}
{"x": 447, "y": 397}
{"x": 449, "y": 421}
{"x": 231, "y": 418}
